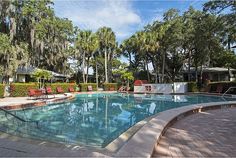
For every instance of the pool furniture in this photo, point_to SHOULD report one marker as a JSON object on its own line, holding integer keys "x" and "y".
{"x": 90, "y": 88}
{"x": 71, "y": 89}
{"x": 111, "y": 89}
{"x": 59, "y": 90}
{"x": 49, "y": 91}
{"x": 37, "y": 93}
{"x": 122, "y": 88}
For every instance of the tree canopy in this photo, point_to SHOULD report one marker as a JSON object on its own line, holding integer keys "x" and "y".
{"x": 32, "y": 35}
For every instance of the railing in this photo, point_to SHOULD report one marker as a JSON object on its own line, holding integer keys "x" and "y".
{"x": 17, "y": 117}
{"x": 228, "y": 90}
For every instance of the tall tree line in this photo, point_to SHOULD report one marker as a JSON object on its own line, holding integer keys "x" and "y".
{"x": 194, "y": 39}
{"x": 31, "y": 35}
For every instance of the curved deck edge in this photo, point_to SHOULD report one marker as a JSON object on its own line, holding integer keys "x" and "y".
{"x": 143, "y": 142}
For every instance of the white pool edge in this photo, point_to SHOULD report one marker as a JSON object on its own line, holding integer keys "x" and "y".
{"x": 143, "y": 142}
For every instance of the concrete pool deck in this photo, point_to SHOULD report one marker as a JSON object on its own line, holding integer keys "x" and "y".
{"x": 205, "y": 134}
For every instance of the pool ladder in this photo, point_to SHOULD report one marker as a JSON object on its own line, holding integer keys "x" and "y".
{"x": 17, "y": 117}
{"x": 228, "y": 90}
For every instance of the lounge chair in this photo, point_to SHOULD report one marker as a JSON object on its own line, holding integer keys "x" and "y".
{"x": 90, "y": 88}
{"x": 111, "y": 89}
{"x": 49, "y": 91}
{"x": 122, "y": 89}
{"x": 71, "y": 89}
{"x": 59, "y": 90}
{"x": 35, "y": 93}
{"x": 31, "y": 93}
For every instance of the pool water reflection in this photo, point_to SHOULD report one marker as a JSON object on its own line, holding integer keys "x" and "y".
{"x": 94, "y": 119}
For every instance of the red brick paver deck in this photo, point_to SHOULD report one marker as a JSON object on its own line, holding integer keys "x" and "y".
{"x": 207, "y": 134}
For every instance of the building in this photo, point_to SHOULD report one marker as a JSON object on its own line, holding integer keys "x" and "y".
{"x": 23, "y": 74}
{"x": 211, "y": 73}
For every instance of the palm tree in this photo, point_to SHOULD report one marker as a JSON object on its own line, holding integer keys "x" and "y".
{"x": 107, "y": 41}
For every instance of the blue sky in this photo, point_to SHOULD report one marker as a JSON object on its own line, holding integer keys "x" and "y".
{"x": 123, "y": 16}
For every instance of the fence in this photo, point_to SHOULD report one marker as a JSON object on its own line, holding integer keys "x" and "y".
{"x": 177, "y": 87}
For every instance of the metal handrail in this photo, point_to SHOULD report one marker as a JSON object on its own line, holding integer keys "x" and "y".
{"x": 228, "y": 90}
{"x": 17, "y": 117}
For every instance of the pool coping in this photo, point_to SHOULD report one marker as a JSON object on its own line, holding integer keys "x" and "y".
{"x": 66, "y": 97}
{"x": 38, "y": 103}
{"x": 143, "y": 142}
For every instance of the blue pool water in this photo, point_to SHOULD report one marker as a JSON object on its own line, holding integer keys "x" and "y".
{"x": 93, "y": 120}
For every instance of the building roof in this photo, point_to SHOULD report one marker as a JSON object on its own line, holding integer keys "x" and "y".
{"x": 29, "y": 70}
{"x": 210, "y": 69}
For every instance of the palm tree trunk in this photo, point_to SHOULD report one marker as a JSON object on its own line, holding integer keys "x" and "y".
{"x": 146, "y": 65}
{"x": 83, "y": 65}
{"x": 96, "y": 73}
{"x": 189, "y": 65}
{"x": 148, "y": 75}
{"x": 87, "y": 70}
{"x": 163, "y": 67}
{"x": 106, "y": 76}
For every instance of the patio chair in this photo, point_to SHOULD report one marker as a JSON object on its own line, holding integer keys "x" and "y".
{"x": 31, "y": 93}
{"x": 49, "y": 91}
{"x": 111, "y": 89}
{"x": 59, "y": 90}
{"x": 35, "y": 93}
{"x": 90, "y": 88}
{"x": 122, "y": 89}
{"x": 71, "y": 89}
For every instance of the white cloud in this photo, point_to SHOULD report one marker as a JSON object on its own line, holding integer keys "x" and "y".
{"x": 119, "y": 15}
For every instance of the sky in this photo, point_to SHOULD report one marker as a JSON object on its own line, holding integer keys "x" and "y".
{"x": 125, "y": 17}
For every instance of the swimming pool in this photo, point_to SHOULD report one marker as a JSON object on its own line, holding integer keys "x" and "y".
{"x": 93, "y": 119}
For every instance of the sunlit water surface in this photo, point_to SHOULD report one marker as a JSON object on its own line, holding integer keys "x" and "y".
{"x": 94, "y": 119}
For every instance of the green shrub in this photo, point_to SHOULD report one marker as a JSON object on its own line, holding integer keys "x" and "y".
{"x": 109, "y": 86}
{"x": 64, "y": 86}
{"x": 21, "y": 89}
{"x": 2, "y": 89}
{"x": 192, "y": 87}
{"x": 84, "y": 86}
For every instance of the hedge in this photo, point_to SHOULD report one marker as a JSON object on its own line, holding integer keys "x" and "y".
{"x": 84, "y": 86}
{"x": 212, "y": 86}
{"x": 21, "y": 89}
{"x": 2, "y": 89}
{"x": 64, "y": 86}
{"x": 110, "y": 86}
{"x": 192, "y": 87}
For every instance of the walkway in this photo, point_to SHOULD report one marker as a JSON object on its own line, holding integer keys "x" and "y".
{"x": 207, "y": 134}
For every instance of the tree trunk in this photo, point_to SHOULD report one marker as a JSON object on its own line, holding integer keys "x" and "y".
{"x": 96, "y": 73}
{"x": 109, "y": 68}
{"x": 106, "y": 76}
{"x": 189, "y": 66}
{"x": 196, "y": 73}
{"x": 163, "y": 67}
{"x": 228, "y": 43}
{"x": 87, "y": 70}
{"x": 148, "y": 75}
{"x": 200, "y": 76}
{"x": 83, "y": 65}
{"x": 229, "y": 73}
